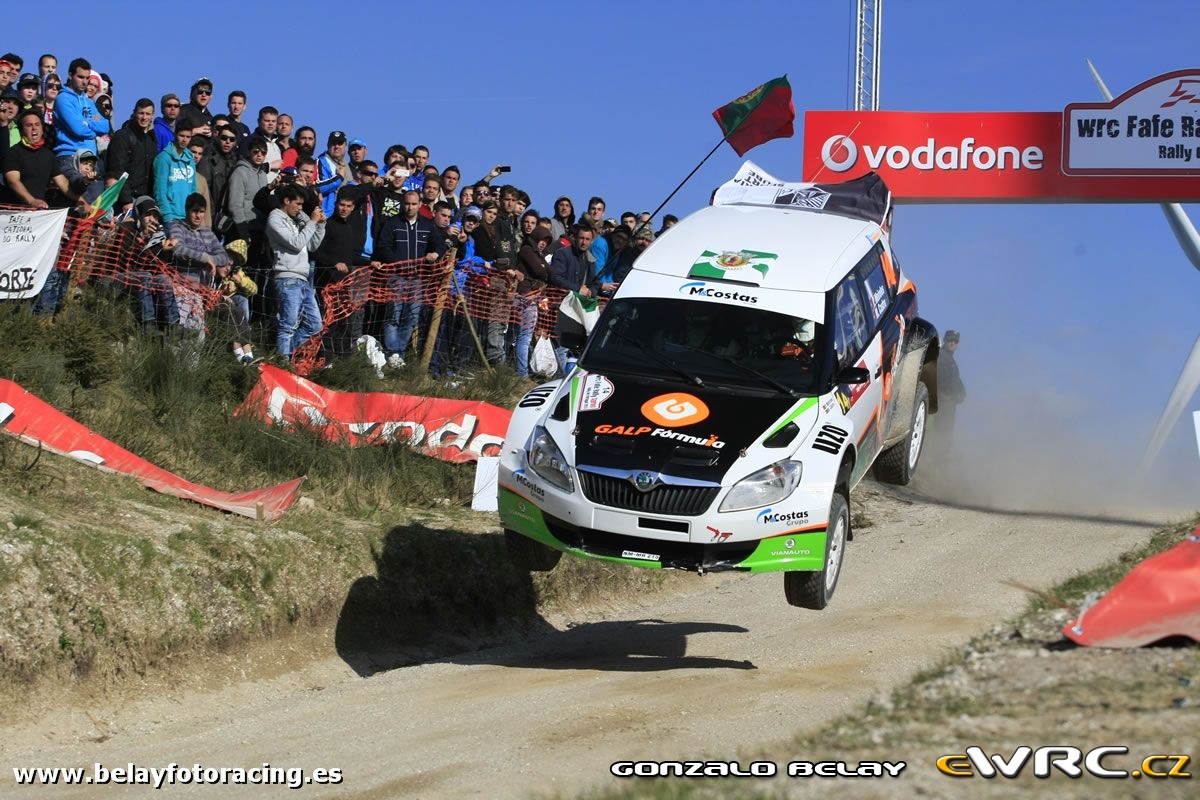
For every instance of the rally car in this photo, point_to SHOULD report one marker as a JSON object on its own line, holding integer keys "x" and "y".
{"x": 757, "y": 361}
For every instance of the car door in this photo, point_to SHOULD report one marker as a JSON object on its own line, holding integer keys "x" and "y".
{"x": 857, "y": 344}
{"x": 878, "y": 287}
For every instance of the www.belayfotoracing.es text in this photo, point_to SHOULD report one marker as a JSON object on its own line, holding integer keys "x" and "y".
{"x": 756, "y": 769}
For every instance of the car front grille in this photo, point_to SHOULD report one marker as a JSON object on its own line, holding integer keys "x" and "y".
{"x": 685, "y": 501}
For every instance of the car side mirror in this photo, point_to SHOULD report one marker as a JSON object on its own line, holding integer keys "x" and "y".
{"x": 852, "y": 375}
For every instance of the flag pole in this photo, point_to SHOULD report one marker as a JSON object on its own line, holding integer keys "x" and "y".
{"x": 675, "y": 191}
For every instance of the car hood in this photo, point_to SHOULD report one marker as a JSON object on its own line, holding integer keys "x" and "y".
{"x": 631, "y": 423}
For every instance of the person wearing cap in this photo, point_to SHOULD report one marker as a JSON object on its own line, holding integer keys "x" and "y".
{"x": 77, "y": 121}
{"x": 28, "y": 88}
{"x": 132, "y": 151}
{"x": 196, "y": 112}
{"x": 292, "y": 237}
{"x": 357, "y": 149}
{"x": 8, "y": 74}
{"x": 141, "y": 245}
{"x": 332, "y": 171}
{"x": 951, "y": 391}
{"x": 175, "y": 174}
{"x": 164, "y": 126}
{"x": 86, "y": 185}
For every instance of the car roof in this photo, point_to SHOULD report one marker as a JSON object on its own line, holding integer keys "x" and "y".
{"x": 813, "y": 250}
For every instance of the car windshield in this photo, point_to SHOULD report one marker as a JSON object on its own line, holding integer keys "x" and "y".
{"x": 707, "y": 343}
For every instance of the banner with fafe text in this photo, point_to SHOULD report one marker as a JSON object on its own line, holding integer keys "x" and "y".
{"x": 29, "y": 242}
{"x": 1143, "y": 146}
{"x": 452, "y": 430}
{"x": 36, "y": 422}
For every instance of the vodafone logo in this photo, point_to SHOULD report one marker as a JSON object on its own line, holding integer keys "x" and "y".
{"x": 675, "y": 410}
{"x": 839, "y": 153}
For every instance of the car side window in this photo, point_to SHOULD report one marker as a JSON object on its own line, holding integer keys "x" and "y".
{"x": 852, "y": 327}
{"x": 875, "y": 285}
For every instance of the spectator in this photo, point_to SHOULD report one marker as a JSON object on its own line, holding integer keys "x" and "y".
{"x": 236, "y": 102}
{"x": 51, "y": 86}
{"x": 358, "y": 153}
{"x": 143, "y": 242}
{"x": 132, "y": 151}
{"x": 164, "y": 126}
{"x": 332, "y": 170}
{"x": 27, "y": 89}
{"x": 618, "y": 262}
{"x": 306, "y": 176}
{"x": 196, "y": 112}
{"x": 76, "y": 119}
{"x": 222, "y": 160}
{"x": 389, "y": 195}
{"x": 10, "y": 134}
{"x": 669, "y": 221}
{"x": 406, "y": 238}
{"x": 95, "y": 85}
{"x": 641, "y": 240}
{"x": 175, "y": 174}
{"x": 198, "y": 252}
{"x": 430, "y": 191}
{"x": 529, "y": 222}
{"x": 268, "y": 119}
{"x": 466, "y": 198}
{"x": 236, "y": 290}
{"x": 572, "y": 268}
{"x": 629, "y": 220}
{"x": 451, "y": 175}
{"x": 304, "y": 147}
{"x": 532, "y": 275}
{"x": 335, "y": 260}
{"x": 199, "y": 146}
{"x": 564, "y": 217}
{"x": 455, "y": 345}
{"x": 86, "y": 186}
{"x": 245, "y": 182}
{"x": 283, "y": 130}
{"x": 30, "y": 167}
{"x": 8, "y": 75}
{"x": 47, "y": 64}
{"x": 951, "y": 391}
{"x": 292, "y": 237}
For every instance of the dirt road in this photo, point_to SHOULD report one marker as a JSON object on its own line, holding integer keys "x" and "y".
{"x": 710, "y": 673}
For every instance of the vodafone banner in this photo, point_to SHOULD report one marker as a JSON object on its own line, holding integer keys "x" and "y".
{"x": 1143, "y": 146}
{"x": 36, "y": 422}
{"x": 452, "y": 430}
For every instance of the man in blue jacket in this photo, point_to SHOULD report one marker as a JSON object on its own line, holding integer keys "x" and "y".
{"x": 175, "y": 174}
{"x": 77, "y": 121}
{"x": 407, "y": 237}
{"x": 164, "y": 126}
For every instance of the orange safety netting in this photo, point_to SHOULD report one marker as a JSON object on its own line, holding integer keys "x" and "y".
{"x": 114, "y": 253}
{"x": 431, "y": 287}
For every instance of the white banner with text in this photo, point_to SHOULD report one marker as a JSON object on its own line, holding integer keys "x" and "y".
{"x": 29, "y": 242}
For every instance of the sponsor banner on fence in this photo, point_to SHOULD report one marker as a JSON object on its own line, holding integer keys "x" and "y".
{"x": 452, "y": 430}
{"x": 29, "y": 242}
{"x": 36, "y": 422}
{"x": 1142, "y": 146}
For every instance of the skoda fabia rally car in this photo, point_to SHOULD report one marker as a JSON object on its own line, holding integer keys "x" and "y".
{"x": 756, "y": 362}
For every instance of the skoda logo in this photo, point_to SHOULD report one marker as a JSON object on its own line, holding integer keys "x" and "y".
{"x": 790, "y": 544}
{"x": 645, "y": 481}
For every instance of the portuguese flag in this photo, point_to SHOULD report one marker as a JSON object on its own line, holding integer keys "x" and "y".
{"x": 763, "y": 114}
{"x": 104, "y": 203}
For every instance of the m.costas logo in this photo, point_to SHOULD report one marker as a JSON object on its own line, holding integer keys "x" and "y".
{"x": 702, "y": 289}
{"x": 768, "y": 516}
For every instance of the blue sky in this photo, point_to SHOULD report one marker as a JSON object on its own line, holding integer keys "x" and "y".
{"x": 1075, "y": 318}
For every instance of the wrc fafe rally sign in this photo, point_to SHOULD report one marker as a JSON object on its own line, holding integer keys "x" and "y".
{"x": 1142, "y": 146}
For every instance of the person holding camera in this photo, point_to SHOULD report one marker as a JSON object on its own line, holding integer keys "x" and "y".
{"x": 293, "y": 237}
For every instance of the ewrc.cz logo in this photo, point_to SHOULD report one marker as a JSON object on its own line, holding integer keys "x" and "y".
{"x": 768, "y": 516}
{"x": 1065, "y": 759}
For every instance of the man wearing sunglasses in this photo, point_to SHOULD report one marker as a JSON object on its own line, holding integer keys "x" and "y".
{"x": 222, "y": 159}
{"x": 196, "y": 112}
{"x": 164, "y": 126}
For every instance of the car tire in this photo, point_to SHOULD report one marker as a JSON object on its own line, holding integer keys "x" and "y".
{"x": 530, "y": 555}
{"x": 815, "y": 589}
{"x": 898, "y": 463}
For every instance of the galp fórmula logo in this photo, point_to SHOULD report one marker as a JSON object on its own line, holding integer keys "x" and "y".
{"x": 675, "y": 410}
{"x": 839, "y": 153}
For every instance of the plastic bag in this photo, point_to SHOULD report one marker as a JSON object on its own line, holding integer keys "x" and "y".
{"x": 541, "y": 360}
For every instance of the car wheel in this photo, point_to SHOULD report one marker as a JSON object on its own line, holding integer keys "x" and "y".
{"x": 815, "y": 589}
{"x": 530, "y": 555}
{"x": 898, "y": 463}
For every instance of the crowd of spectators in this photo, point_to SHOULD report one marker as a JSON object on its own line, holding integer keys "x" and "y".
{"x": 264, "y": 217}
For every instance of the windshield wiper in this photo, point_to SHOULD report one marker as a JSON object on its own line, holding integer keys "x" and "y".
{"x": 762, "y": 376}
{"x": 693, "y": 379}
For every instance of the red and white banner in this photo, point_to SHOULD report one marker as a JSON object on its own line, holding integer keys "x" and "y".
{"x": 452, "y": 430}
{"x": 36, "y": 422}
{"x": 1143, "y": 146}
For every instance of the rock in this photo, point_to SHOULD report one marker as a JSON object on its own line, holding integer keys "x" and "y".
{"x": 1181, "y": 702}
{"x": 306, "y": 502}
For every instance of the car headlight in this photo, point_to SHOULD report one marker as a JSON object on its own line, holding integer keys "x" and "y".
{"x": 769, "y": 485}
{"x": 547, "y": 460}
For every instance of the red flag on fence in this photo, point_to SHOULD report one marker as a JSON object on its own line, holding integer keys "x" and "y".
{"x": 760, "y": 115}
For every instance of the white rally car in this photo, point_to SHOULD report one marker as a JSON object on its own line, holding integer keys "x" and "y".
{"x": 755, "y": 363}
